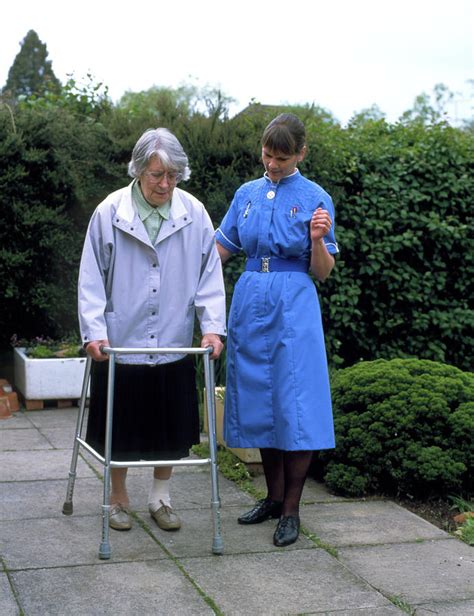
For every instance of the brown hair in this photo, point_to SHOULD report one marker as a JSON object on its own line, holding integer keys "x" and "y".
{"x": 285, "y": 134}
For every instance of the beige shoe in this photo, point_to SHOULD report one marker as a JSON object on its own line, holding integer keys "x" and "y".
{"x": 166, "y": 518}
{"x": 119, "y": 518}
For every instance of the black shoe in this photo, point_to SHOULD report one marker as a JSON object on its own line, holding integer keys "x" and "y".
{"x": 287, "y": 530}
{"x": 263, "y": 510}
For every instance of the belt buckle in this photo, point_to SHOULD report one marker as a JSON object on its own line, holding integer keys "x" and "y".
{"x": 265, "y": 265}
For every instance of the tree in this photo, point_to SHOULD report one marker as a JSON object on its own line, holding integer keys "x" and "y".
{"x": 31, "y": 74}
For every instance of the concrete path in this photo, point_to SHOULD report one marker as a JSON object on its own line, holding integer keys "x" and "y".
{"x": 354, "y": 558}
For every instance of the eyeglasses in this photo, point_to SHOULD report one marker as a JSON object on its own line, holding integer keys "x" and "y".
{"x": 155, "y": 177}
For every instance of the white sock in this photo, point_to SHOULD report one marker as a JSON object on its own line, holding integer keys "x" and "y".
{"x": 160, "y": 491}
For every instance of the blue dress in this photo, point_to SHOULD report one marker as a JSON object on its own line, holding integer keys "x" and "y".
{"x": 277, "y": 389}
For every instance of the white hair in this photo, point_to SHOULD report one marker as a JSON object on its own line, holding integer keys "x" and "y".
{"x": 162, "y": 144}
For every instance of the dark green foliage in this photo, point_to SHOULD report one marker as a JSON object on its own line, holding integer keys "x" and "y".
{"x": 403, "y": 426}
{"x": 403, "y": 194}
{"x": 404, "y": 220}
{"x": 55, "y": 164}
{"x": 31, "y": 74}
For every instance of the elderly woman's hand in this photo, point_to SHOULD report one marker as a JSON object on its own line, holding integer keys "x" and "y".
{"x": 93, "y": 349}
{"x": 214, "y": 341}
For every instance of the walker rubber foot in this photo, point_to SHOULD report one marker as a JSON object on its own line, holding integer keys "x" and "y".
{"x": 218, "y": 547}
{"x": 104, "y": 551}
{"x": 67, "y": 508}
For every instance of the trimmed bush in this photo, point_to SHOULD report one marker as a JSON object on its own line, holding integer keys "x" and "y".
{"x": 403, "y": 426}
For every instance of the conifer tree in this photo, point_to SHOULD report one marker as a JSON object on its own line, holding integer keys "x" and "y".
{"x": 31, "y": 72}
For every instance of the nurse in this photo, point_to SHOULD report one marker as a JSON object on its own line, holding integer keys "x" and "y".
{"x": 277, "y": 391}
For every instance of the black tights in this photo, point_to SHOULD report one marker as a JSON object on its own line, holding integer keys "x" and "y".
{"x": 285, "y": 474}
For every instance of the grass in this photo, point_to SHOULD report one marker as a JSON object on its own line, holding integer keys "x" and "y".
{"x": 231, "y": 467}
{"x": 465, "y": 532}
{"x": 402, "y": 604}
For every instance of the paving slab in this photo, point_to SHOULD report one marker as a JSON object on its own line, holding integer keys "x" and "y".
{"x": 54, "y": 418}
{"x": 431, "y": 571}
{"x": 389, "y": 610}
{"x": 23, "y": 500}
{"x": 19, "y": 440}
{"x": 60, "y": 438}
{"x": 454, "y": 608}
{"x": 33, "y": 465}
{"x": 8, "y": 604}
{"x": 196, "y": 534}
{"x": 146, "y": 588}
{"x": 366, "y": 522}
{"x": 188, "y": 491}
{"x": 17, "y": 421}
{"x": 287, "y": 582}
{"x": 313, "y": 491}
{"x": 71, "y": 540}
{"x": 53, "y": 566}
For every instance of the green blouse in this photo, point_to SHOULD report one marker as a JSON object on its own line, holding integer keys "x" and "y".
{"x": 151, "y": 217}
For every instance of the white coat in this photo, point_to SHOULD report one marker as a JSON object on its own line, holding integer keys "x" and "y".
{"x": 140, "y": 295}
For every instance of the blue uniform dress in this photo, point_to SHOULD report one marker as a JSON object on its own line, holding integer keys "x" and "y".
{"x": 277, "y": 389}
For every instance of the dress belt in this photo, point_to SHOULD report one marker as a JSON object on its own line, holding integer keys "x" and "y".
{"x": 275, "y": 264}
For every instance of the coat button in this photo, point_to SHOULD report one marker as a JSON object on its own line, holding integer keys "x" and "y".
{"x": 152, "y": 336}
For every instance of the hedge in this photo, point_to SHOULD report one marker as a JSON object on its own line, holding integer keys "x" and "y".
{"x": 402, "y": 193}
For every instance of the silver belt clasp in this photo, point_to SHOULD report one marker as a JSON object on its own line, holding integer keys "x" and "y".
{"x": 265, "y": 265}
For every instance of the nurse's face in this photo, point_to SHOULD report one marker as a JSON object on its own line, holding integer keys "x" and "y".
{"x": 279, "y": 165}
{"x": 158, "y": 183}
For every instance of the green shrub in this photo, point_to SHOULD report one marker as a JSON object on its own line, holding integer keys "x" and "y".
{"x": 403, "y": 426}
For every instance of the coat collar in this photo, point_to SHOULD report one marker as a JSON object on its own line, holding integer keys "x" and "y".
{"x": 126, "y": 217}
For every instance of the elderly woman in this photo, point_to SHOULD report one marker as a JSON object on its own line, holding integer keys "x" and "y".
{"x": 149, "y": 264}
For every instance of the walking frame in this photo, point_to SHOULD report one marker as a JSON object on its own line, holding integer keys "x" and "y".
{"x": 108, "y": 463}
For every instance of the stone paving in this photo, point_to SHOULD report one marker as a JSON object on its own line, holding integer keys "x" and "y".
{"x": 355, "y": 557}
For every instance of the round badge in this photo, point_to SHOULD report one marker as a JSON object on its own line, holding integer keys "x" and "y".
{"x": 271, "y": 194}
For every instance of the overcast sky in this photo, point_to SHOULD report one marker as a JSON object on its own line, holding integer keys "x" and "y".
{"x": 344, "y": 55}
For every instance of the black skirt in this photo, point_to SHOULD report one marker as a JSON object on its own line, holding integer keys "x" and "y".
{"x": 155, "y": 414}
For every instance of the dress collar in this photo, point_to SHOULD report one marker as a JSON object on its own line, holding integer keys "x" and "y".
{"x": 286, "y": 180}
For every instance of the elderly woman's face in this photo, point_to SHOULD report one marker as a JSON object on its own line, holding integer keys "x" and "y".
{"x": 157, "y": 183}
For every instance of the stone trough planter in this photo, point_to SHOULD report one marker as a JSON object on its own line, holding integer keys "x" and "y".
{"x": 48, "y": 379}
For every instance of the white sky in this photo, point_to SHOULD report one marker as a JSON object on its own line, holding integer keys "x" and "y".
{"x": 343, "y": 55}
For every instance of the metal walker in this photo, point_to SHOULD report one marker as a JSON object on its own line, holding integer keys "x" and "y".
{"x": 108, "y": 463}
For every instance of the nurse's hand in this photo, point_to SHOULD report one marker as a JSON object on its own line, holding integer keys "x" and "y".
{"x": 214, "y": 341}
{"x": 320, "y": 224}
{"x": 93, "y": 349}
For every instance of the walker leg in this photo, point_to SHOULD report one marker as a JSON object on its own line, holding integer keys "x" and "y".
{"x": 217, "y": 543}
{"x": 104, "y": 548}
{"x": 68, "y": 506}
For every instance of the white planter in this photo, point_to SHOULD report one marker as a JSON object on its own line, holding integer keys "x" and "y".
{"x": 48, "y": 379}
